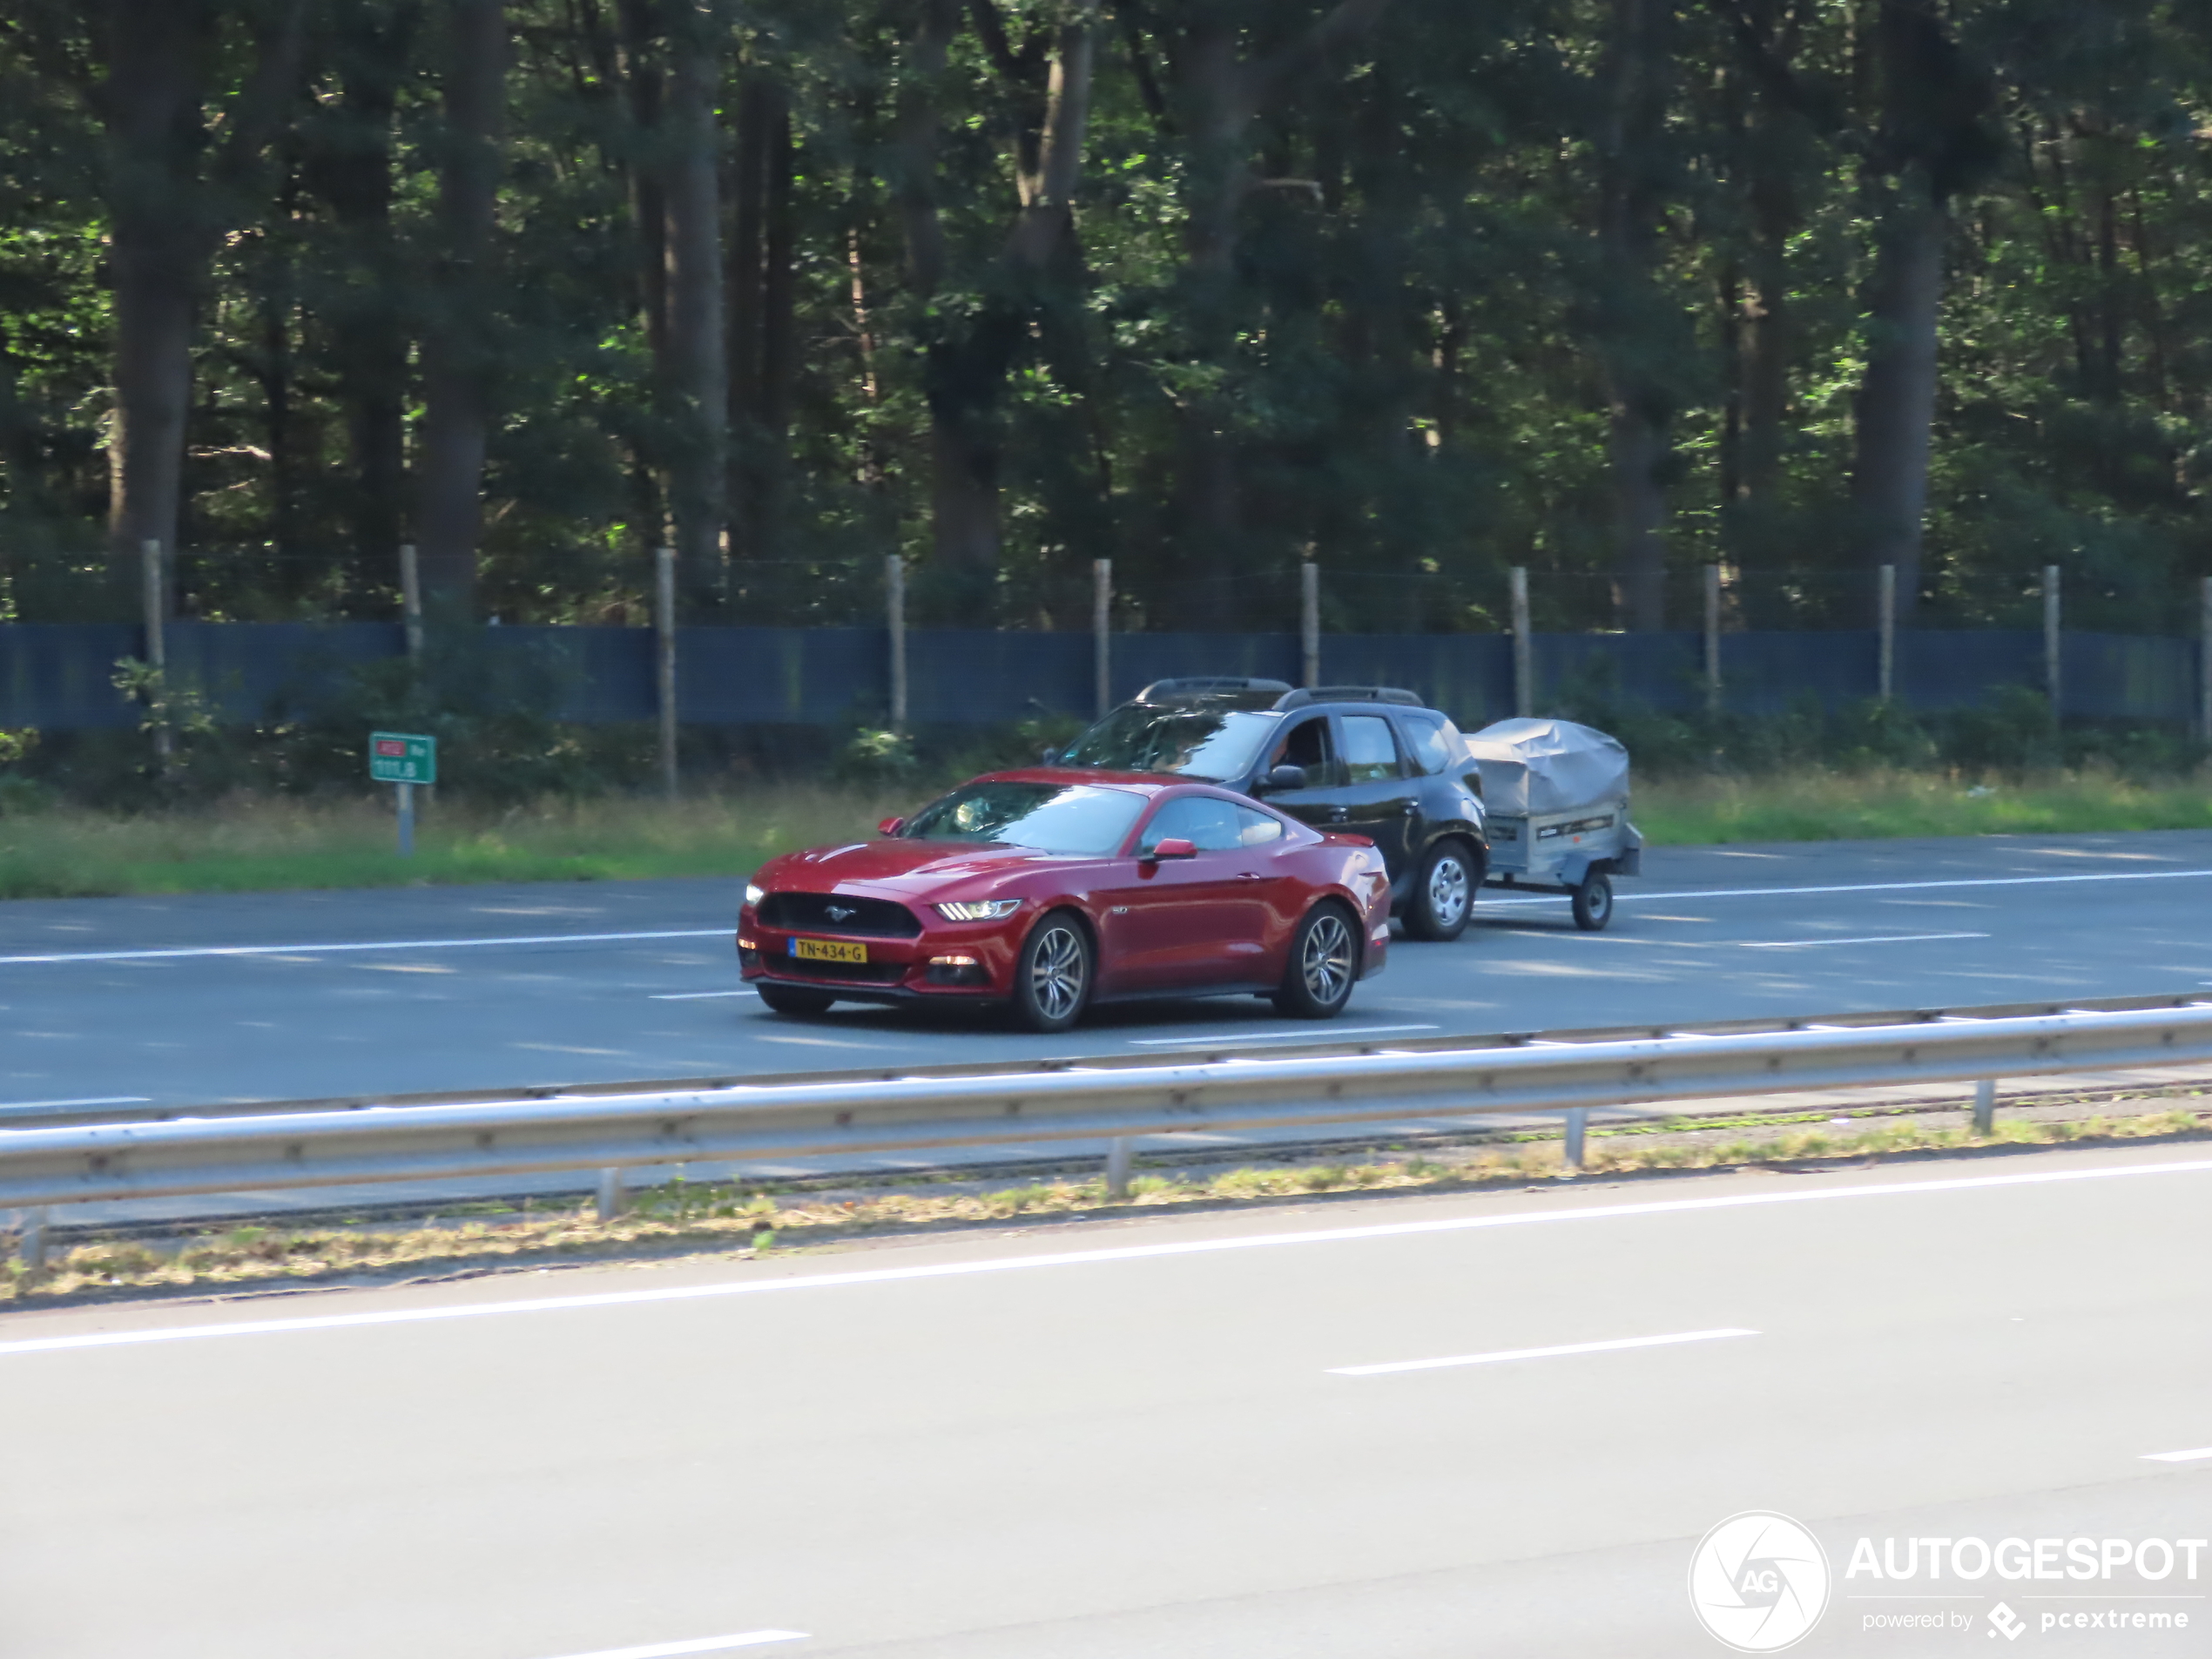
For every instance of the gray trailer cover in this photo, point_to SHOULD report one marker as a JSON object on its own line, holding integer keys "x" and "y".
{"x": 1534, "y": 767}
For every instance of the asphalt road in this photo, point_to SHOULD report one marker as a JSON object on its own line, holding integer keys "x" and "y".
{"x": 1205, "y": 1436}
{"x": 345, "y": 994}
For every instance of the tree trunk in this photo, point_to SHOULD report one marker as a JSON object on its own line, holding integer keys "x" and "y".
{"x": 1896, "y": 398}
{"x": 157, "y": 58}
{"x": 351, "y": 170}
{"x": 696, "y": 368}
{"x": 642, "y": 92}
{"x": 456, "y": 358}
{"x": 1639, "y": 402}
{"x": 763, "y": 359}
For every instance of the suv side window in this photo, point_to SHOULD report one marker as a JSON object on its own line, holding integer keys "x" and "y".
{"x": 1369, "y": 751}
{"x": 1209, "y": 825}
{"x": 1306, "y": 745}
{"x": 1435, "y": 740}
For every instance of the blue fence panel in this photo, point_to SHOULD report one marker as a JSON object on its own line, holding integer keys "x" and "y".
{"x": 256, "y": 671}
{"x": 973, "y": 676}
{"x": 1764, "y": 673}
{"x": 1468, "y": 675}
{"x": 1660, "y": 671}
{"x": 2127, "y": 677}
{"x": 592, "y": 676}
{"x": 1939, "y": 669}
{"x": 1138, "y": 659}
{"x": 61, "y": 675}
{"x": 781, "y": 675}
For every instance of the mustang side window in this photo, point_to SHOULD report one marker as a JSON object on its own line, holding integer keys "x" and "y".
{"x": 1258, "y": 829}
{"x": 1370, "y": 752}
{"x": 1209, "y": 825}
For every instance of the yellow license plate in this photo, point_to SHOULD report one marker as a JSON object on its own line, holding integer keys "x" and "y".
{"x": 828, "y": 950}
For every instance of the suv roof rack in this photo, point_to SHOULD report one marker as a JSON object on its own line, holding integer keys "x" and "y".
{"x": 1204, "y": 684}
{"x": 1298, "y": 699}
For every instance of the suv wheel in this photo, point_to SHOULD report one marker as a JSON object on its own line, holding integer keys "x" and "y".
{"x": 1324, "y": 963}
{"x": 1443, "y": 894}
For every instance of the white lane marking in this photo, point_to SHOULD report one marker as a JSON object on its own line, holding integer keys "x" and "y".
{"x": 1614, "y": 1346}
{"x": 1871, "y": 887}
{"x": 703, "y": 1644}
{"x": 693, "y": 997}
{"x": 103, "y": 1100}
{"x": 321, "y": 950}
{"x": 2198, "y": 1455}
{"x": 1872, "y": 939}
{"x": 1088, "y": 1257}
{"x": 1313, "y": 1037}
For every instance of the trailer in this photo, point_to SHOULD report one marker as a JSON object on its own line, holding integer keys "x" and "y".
{"x": 1555, "y": 804}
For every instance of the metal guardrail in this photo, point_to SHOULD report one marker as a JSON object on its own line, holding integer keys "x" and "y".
{"x": 608, "y": 1130}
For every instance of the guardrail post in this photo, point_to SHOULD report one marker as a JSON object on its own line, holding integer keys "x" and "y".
{"x": 1985, "y": 1105}
{"x": 612, "y": 1200}
{"x": 1117, "y": 1162}
{"x": 1578, "y": 1119}
{"x": 33, "y": 1248}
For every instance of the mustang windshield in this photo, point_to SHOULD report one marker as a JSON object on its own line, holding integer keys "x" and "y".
{"x": 1051, "y": 818}
{"x": 1214, "y": 744}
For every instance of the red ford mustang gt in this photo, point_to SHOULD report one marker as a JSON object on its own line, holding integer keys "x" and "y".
{"x": 1050, "y": 890}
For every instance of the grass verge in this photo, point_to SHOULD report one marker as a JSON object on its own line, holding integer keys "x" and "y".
{"x": 260, "y": 843}
{"x": 684, "y": 1218}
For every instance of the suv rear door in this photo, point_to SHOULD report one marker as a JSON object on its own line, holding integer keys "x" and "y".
{"x": 1379, "y": 797}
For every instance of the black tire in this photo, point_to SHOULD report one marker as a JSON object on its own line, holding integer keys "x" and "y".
{"x": 1593, "y": 902}
{"x": 1053, "y": 979}
{"x": 1443, "y": 894}
{"x": 1324, "y": 965}
{"x": 795, "y": 998}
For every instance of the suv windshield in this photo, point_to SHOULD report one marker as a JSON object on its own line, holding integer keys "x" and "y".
{"x": 1216, "y": 744}
{"x": 1051, "y": 818}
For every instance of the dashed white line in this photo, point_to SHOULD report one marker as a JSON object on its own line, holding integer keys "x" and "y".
{"x": 702, "y": 1644}
{"x": 1871, "y": 938}
{"x": 1615, "y": 1346}
{"x": 1085, "y": 1258}
{"x": 2196, "y": 1456}
{"x": 1242, "y": 1041}
{"x": 694, "y": 996}
{"x": 393, "y": 944}
{"x": 1871, "y": 887}
{"x": 103, "y": 1100}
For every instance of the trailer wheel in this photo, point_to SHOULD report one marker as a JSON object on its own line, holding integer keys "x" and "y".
{"x": 1593, "y": 902}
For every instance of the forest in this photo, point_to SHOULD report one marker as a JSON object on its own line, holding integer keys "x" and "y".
{"x": 1417, "y": 290}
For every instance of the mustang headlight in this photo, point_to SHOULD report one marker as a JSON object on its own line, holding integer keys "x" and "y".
{"x": 753, "y": 893}
{"x": 978, "y": 910}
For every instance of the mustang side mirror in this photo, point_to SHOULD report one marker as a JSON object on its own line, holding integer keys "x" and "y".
{"x": 1173, "y": 847}
{"x": 891, "y": 827}
{"x": 1285, "y": 777}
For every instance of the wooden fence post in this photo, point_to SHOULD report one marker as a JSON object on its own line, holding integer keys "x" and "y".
{"x": 1524, "y": 663}
{"x": 153, "y": 601}
{"x": 1310, "y": 622}
{"x": 411, "y": 600}
{"x": 664, "y": 653}
{"x": 1102, "y": 635}
{"x": 1712, "y": 639}
{"x": 895, "y": 617}
{"x": 1886, "y": 674}
{"x": 2053, "y": 669}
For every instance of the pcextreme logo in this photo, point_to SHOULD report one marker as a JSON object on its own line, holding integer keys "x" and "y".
{"x": 1758, "y": 1581}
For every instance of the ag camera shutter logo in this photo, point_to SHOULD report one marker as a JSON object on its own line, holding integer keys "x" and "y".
{"x": 1759, "y": 1582}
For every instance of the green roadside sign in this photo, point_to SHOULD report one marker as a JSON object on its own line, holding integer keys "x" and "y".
{"x": 399, "y": 757}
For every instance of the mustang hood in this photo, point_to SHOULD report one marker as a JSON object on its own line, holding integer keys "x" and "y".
{"x": 901, "y": 866}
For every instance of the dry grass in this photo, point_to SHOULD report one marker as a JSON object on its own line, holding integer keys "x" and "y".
{"x": 1815, "y": 805}
{"x": 691, "y": 1216}
{"x": 258, "y": 843}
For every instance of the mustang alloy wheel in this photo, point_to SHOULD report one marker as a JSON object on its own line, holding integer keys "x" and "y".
{"x": 1052, "y": 981}
{"x": 1325, "y": 961}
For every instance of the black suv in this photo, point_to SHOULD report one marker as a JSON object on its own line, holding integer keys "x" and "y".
{"x": 1369, "y": 760}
